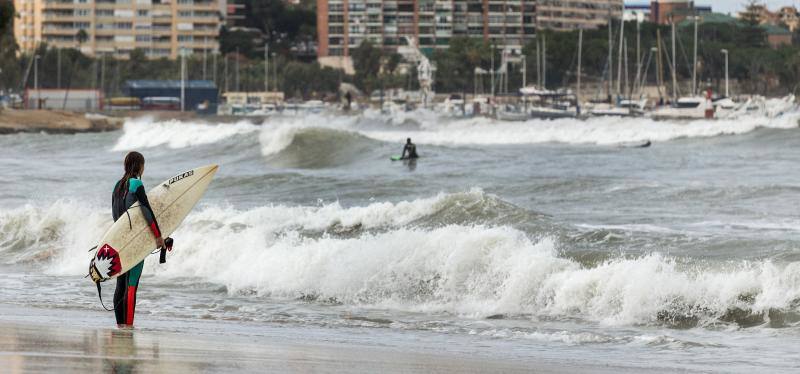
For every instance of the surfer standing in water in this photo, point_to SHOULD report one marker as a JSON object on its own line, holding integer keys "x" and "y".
{"x": 127, "y": 191}
{"x": 411, "y": 149}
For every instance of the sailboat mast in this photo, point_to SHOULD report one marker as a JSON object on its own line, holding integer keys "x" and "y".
{"x": 538, "y": 63}
{"x": 659, "y": 64}
{"x": 492, "y": 71}
{"x": 627, "y": 76}
{"x": 694, "y": 66}
{"x": 580, "y": 57}
{"x": 619, "y": 60}
{"x": 674, "y": 66}
{"x": 544, "y": 62}
{"x": 610, "y": 68}
{"x": 638, "y": 53}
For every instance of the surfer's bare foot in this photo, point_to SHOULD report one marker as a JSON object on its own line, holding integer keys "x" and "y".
{"x": 125, "y": 327}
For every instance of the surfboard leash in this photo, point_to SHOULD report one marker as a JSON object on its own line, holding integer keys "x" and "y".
{"x": 100, "y": 296}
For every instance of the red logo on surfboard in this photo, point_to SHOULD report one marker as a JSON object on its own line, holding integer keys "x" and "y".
{"x": 108, "y": 261}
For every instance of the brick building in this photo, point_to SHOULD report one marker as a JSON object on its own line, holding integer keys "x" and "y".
{"x": 344, "y": 24}
{"x": 663, "y": 12}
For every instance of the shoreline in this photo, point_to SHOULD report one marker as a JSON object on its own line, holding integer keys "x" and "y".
{"x": 55, "y": 122}
{"x": 13, "y": 121}
{"x": 47, "y": 340}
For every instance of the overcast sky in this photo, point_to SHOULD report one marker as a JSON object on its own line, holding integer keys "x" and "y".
{"x": 732, "y": 6}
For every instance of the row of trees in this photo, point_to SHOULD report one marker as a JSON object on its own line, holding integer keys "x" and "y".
{"x": 282, "y": 25}
{"x": 73, "y": 69}
{"x": 757, "y": 67}
{"x": 753, "y": 63}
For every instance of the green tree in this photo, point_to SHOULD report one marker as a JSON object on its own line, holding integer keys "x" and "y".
{"x": 455, "y": 66}
{"x": 283, "y": 24}
{"x": 6, "y": 16}
{"x": 367, "y": 64}
{"x": 81, "y": 36}
{"x": 241, "y": 41}
{"x": 392, "y": 62}
{"x": 9, "y": 65}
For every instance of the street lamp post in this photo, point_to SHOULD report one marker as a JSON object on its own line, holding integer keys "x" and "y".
{"x": 727, "y": 86}
{"x": 183, "y": 79}
{"x": 266, "y": 67}
{"x": 275, "y": 70}
{"x": 36, "y": 80}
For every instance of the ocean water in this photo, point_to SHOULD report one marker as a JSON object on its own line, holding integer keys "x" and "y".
{"x": 540, "y": 239}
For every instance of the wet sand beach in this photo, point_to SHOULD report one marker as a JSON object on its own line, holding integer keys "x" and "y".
{"x": 540, "y": 246}
{"x": 49, "y": 340}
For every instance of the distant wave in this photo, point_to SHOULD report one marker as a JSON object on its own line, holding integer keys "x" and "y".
{"x": 415, "y": 256}
{"x": 599, "y": 131}
{"x": 293, "y": 134}
{"x": 146, "y": 133}
{"x": 312, "y": 147}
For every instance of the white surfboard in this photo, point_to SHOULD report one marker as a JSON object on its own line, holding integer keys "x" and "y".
{"x": 130, "y": 240}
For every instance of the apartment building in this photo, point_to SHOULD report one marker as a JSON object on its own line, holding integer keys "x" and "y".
{"x": 344, "y": 24}
{"x": 235, "y": 14}
{"x": 161, "y": 28}
{"x": 562, "y": 15}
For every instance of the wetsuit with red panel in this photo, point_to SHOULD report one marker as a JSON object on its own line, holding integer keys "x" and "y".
{"x": 121, "y": 201}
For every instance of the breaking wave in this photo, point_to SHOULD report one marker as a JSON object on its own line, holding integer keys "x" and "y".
{"x": 145, "y": 133}
{"x": 303, "y": 142}
{"x": 313, "y": 147}
{"x": 29, "y": 233}
{"x": 422, "y": 255}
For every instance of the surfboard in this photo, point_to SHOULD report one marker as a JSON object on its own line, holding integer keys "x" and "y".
{"x": 129, "y": 240}
{"x": 400, "y": 158}
{"x": 641, "y": 144}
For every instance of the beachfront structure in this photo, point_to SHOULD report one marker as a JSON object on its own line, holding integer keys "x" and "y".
{"x": 664, "y": 12}
{"x": 253, "y": 98}
{"x": 343, "y": 25}
{"x": 63, "y": 99}
{"x": 637, "y": 12}
{"x": 198, "y": 94}
{"x": 162, "y": 28}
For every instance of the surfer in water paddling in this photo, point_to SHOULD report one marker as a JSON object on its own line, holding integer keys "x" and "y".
{"x": 411, "y": 149}
{"x": 128, "y": 191}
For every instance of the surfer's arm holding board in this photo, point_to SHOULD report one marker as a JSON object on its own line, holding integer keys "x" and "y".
{"x": 137, "y": 188}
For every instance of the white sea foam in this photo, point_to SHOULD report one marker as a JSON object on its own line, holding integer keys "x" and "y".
{"x": 146, "y": 133}
{"x": 61, "y": 232}
{"x": 436, "y": 130}
{"x": 472, "y": 270}
{"x": 279, "y": 132}
{"x": 600, "y": 131}
{"x": 566, "y": 337}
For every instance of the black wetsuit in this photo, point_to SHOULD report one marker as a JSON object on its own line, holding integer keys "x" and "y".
{"x": 125, "y": 294}
{"x": 411, "y": 149}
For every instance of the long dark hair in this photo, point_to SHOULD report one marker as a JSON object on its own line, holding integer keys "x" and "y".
{"x": 134, "y": 163}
